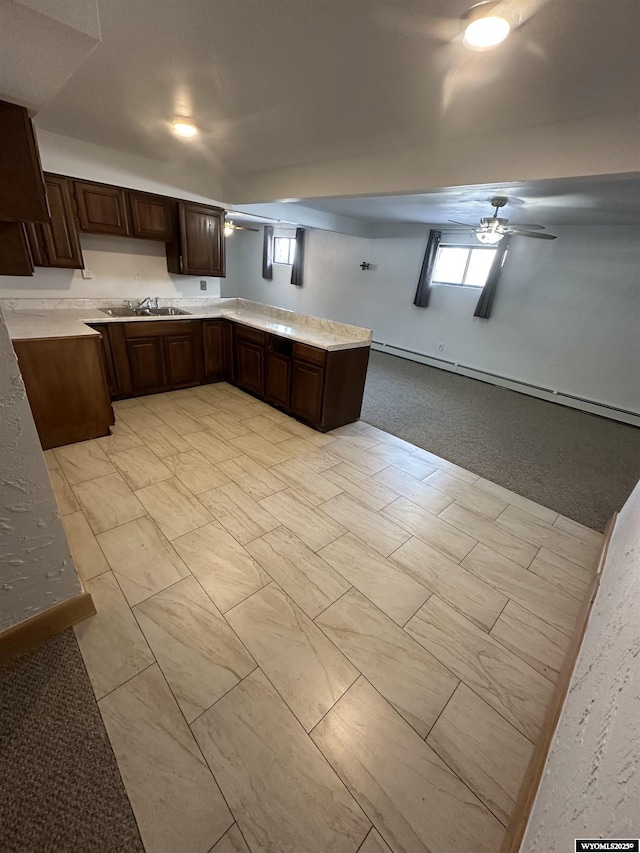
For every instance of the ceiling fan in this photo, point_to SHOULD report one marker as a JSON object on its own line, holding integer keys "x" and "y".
{"x": 493, "y": 228}
{"x": 230, "y": 227}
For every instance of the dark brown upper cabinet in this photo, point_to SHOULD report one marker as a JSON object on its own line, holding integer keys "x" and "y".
{"x": 15, "y": 253}
{"x": 198, "y": 248}
{"x": 56, "y": 243}
{"x": 152, "y": 216}
{"x": 22, "y": 193}
{"x": 102, "y": 209}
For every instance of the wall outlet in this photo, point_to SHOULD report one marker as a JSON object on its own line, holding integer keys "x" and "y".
{"x": 203, "y": 284}
{"x": 440, "y": 347}
{"x": 87, "y": 274}
{"x": 136, "y": 275}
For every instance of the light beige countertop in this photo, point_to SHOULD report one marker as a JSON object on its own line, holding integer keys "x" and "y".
{"x": 67, "y": 318}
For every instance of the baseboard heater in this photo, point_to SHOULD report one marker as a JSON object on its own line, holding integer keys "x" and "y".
{"x": 605, "y": 410}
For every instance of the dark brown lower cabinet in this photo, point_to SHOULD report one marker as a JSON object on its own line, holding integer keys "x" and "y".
{"x": 146, "y": 364}
{"x": 153, "y": 356}
{"x": 217, "y": 338}
{"x": 67, "y": 388}
{"x": 278, "y": 383}
{"x": 107, "y": 355}
{"x": 180, "y": 360}
{"x": 249, "y": 364}
{"x": 322, "y": 388}
{"x": 307, "y": 385}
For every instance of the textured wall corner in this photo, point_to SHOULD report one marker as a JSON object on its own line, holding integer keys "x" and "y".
{"x": 36, "y": 568}
{"x": 591, "y": 783}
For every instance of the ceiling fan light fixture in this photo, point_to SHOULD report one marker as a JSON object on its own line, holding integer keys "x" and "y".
{"x": 184, "y": 128}
{"x": 489, "y": 238}
{"x": 486, "y": 33}
{"x": 228, "y": 229}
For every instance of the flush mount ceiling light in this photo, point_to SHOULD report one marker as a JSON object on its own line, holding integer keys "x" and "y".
{"x": 486, "y": 33}
{"x": 184, "y": 128}
{"x": 485, "y": 26}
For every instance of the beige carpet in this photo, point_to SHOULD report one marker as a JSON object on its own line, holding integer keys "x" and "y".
{"x": 578, "y": 464}
{"x": 60, "y": 788}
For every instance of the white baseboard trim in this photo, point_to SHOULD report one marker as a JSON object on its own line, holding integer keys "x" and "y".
{"x": 591, "y": 406}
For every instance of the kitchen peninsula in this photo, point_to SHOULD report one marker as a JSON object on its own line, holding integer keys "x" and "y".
{"x": 75, "y": 358}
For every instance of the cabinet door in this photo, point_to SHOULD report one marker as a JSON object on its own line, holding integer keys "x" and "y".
{"x": 101, "y": 209}
{"x": 249, "y": 373}
{"x": 151, "y": 216}
{"x": 107, "y": 357}
{"x": 22, "y": 197}
{"x": 201, "y": 240}
{"x": 35, "y": 239}
{"x": 66, "y": 388}
{"x": 227, "y": 350}
{"x": 15, "y": 254}
{"x": 146, "y": 364}
{"x": 278, "y": 379}
{"x": 213, "y": 333}
{"x": 307, "y": 382}
{"x": 180, "y": 360}
{"x": 60, "y": 236}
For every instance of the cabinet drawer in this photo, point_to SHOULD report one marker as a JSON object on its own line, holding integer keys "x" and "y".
{"x": 311, "y": 354}
{"x": 246, "y": 333}
{"x": 152, "y": 328}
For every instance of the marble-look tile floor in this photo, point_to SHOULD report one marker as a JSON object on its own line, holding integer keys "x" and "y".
{"x": 312, "y": 643}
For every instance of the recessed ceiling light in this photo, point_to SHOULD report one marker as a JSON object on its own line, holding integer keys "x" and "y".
{"x": 184, "y": 128}
{"x": 485, "y": 33}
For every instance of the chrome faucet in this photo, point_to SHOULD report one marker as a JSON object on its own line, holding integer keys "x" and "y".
{"x": 149, "y": 300}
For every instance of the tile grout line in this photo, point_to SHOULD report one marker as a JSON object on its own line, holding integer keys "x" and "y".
{"x": 226, "y": 693}
{"x": 453, "y": 692}
{"x": 400, "y": 627}
{"x": 498, "y": 616}
{"x": 466, "y": 784}
{"x": 471, "y": 688}
{"x": 200, "y": 752}
{"x": 113, "y": 690}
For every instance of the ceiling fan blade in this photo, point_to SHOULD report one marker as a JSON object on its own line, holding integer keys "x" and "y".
{"x": 245, "y": 228}
{"x": 520, "y": 226}
{"x": 517, "y": 12}
{"x": 536, "y": 235}
{"x": 466, "y": 224}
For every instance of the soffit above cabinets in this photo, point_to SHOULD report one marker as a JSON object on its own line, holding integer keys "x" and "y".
{"x": 42, "y": 44}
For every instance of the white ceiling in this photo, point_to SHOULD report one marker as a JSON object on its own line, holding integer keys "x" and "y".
{"x": 273, "y": 83}
{"x": 570, "y": 201}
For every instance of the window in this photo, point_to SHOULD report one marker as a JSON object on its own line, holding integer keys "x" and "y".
{"x": 284, "y": 250}
{"x": 464, "y": 265}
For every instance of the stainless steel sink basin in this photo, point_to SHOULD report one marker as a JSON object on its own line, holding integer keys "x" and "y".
{"x": 121, "y": 311}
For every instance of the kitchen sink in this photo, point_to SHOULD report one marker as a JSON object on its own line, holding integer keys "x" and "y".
{"x": 121, "y": 311}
